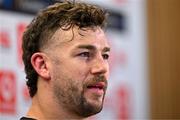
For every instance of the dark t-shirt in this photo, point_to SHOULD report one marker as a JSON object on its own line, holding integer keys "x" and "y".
{"x": 26, "y": 118}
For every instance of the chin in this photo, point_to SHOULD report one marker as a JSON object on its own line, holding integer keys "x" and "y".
{"x": 89, "y": 105}
{"x": 91, "y": 108}
{"x": 91, "y": 111}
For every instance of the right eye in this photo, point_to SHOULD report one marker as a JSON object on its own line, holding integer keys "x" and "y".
{"x": 84, "y": 54}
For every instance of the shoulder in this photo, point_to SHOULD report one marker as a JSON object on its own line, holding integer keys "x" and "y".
{"x": 27, "y": 118}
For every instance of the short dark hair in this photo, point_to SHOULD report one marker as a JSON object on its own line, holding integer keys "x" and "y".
{"x": 63, "y": 14}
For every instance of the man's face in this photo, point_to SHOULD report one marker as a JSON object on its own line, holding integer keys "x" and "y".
{"x": 79, "y": 70}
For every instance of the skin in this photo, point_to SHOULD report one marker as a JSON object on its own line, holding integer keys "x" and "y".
{"x": 73, "y": 75}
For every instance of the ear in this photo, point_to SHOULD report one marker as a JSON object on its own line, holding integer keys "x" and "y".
{"x": 39, "y": 63}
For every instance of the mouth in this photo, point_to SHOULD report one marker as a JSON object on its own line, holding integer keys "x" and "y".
{"x": 97, "y": 88}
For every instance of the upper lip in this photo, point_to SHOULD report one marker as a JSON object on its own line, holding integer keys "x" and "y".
{"x": 100, "y": 85}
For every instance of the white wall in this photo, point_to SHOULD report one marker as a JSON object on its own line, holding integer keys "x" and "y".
{"x": 127, "y": 96}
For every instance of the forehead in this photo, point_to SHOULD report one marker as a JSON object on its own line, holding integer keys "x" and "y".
{"x": 75, "y": 36}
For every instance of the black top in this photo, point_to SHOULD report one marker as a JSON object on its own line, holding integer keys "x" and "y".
{"x": 26, "y": 118}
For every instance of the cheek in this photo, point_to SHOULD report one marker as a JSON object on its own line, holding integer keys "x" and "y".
{"x": 106, "y": 74}
{"x": 80, "y": 71}
{"x": 81, "y": 76}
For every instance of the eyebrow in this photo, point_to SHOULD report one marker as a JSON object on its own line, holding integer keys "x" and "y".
{"x": 91, "y": 47}
{"x": 106, "y": 49}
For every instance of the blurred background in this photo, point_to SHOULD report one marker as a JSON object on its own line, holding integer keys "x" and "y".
{"x": 145, "y": 59}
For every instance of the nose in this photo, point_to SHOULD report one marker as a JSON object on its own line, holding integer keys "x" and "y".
{"x": 99, "y": 66}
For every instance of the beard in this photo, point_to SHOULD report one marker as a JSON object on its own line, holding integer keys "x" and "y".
{"x": 71, "y": 96}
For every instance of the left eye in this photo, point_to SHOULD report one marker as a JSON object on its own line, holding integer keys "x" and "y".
{"x": 105, "y": 56}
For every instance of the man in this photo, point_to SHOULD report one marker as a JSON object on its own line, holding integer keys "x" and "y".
{"x": 65, "y": 52}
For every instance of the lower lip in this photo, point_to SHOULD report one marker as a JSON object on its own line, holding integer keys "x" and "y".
{"x": 96, "y": 91}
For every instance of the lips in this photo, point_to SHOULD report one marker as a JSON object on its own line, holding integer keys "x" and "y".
{"x": 99, "y": 85}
